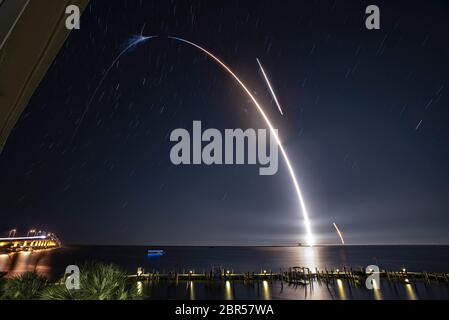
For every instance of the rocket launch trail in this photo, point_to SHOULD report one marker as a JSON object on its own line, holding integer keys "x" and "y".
{"x": 339, "y": 233}
{"x": 310, "y": 240}
{"x": 269, "y": 86}
{"x": 133, "y": 42}
{"x": 309, "y": 235}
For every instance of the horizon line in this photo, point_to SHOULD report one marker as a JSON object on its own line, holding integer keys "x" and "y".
{"x": 258, "y": 245}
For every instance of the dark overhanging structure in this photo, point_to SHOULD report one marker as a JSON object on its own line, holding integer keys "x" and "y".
{"x": 31, "y": 35}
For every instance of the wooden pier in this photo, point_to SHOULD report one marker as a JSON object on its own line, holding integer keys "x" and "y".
{"x": 293, "y": 275}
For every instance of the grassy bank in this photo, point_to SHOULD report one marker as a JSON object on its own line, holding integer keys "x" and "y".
{"x": 98, "y": 281}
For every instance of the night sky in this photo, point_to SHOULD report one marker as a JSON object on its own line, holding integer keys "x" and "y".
{"x": 366, "y": 124}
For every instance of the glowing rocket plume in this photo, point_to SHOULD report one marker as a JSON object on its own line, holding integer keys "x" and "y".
{"x": 339, "y": 234}
{"x": 270, "y": 87}
{"x": 310, "y": 238}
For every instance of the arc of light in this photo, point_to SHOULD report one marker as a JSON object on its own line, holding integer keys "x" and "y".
{"x": 138, "y": 39}
{"x": 339, "y": 233}
{"x": 310, "y": 237}
{"x": 269, "y": 86}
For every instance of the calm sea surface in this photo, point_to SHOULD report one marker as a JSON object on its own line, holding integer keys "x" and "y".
{"x": 250, "y": 259}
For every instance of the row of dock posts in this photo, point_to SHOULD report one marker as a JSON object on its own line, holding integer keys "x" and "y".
{"x": 406, "y": 276}
{"x": 293, "y": 275}
{"x": 298, "y": 276}
{"x": 304, "y": 276}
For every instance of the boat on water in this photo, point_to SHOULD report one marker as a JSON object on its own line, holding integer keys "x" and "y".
{"x": 155, "y": 253}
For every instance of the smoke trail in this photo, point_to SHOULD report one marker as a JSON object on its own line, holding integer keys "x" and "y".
{"x": 132, "y": 43}
{"x": 339, "y": 233}
{"x": 310, "y": 237}
{"x": 270, "y": 87}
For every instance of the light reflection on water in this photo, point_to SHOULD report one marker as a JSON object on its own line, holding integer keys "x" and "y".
{"x": 139, "y": 286}
{"x": 377, "y": 293}
{"x": 191, "y": 289}
{"x": 308, "y": 257}
{"x": 339, "y": 289}
{"x": 228, "y": 291}
{"x": 265, "y": 290}
{"x": 247, "y": 259}
{"x": 411, "y": 294}
{"x": 17, "y": 263}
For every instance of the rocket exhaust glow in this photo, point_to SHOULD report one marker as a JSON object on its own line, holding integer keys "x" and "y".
{"x": 339, "y": 234}
{"x": 270, "y": 87}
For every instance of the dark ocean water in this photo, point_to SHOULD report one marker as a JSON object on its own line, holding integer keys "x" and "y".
{"x": 249, "y": 259}
{"x": 240, "y": 259}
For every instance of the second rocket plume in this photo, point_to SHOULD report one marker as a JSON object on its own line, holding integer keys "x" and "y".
{"x": 339, "y": 233}
{"x": 269, "y": 86}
